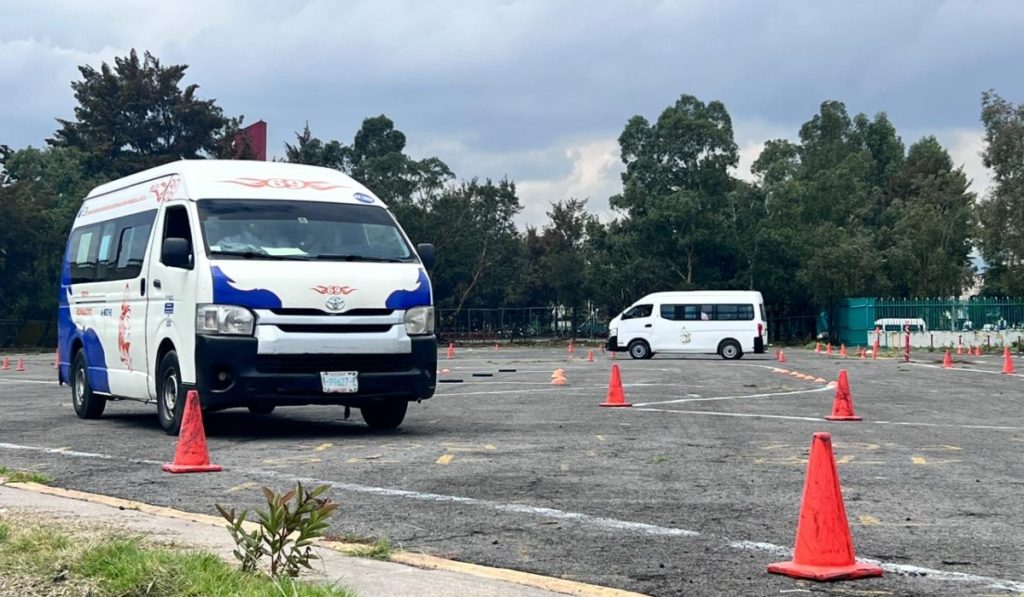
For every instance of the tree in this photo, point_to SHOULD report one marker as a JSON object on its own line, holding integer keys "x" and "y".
{"x": 1001, "y": 213}
{"x": 135, "y": 115}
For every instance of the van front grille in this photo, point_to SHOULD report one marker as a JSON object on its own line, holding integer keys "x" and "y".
{"x": 314, "y": 363}
{"x": 327, "y": 328}
{"x": 320, "y": 312}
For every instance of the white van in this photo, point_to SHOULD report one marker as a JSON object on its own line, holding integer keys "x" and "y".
{"x": 724, "y": 322}
{"x": 258, "y": 284}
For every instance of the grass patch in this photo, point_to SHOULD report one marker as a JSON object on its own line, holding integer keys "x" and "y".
{"x": 13, "y": 476}
{"x": 121, "y": 565}
{"x": 380, "y": 550}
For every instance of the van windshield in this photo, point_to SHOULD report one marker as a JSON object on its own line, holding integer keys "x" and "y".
{"x": 301, "y": 230}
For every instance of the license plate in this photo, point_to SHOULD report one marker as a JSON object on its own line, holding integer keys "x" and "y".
{"x": 339, "y": 382}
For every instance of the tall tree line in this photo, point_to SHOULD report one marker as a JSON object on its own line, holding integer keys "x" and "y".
{"x": 846, "y": 209}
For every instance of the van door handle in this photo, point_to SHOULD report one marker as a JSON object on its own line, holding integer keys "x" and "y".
{"x": 647, "y": 325}
{"x": 156, "y": 284}
{"x": 142, "y": 287}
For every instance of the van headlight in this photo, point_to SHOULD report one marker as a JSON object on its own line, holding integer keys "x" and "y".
{"x": 613, "y": 331}
{"x": 224, "y": 319}
{"x": 419, "y": 321}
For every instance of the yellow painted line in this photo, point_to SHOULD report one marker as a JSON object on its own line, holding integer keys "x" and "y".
{"x": 490, "y": 447}
{"x": 600, "y": 437}
{"x": 869, "y": 521}
{"x": 246, "y": 485}
{"x": 287, "y": 460}
{"x": 445, "y": 459}
{"x": 322, "y": 447}
{"x": 921, "y": 460}
{"x": 563, "y": 467}
{"x": 845, "y": 459}
{"x": 418, "y": 560}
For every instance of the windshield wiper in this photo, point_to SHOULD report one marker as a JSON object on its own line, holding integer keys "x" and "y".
{"x": 328, "y": 257}
{"x": 260, "y": 255}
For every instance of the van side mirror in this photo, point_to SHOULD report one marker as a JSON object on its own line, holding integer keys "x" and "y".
{"x": 176, "y": 253}
{"x": 426, "y": 252}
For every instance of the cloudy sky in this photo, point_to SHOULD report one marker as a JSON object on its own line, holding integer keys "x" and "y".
{"x": 537, "y": 90}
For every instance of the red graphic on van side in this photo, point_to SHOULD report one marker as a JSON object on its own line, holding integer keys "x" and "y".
{"x": 285, "y": 183}
{"x": 346, "y": 290}
{"x": 165, "y": 190}
{"x": 124, "y": 331}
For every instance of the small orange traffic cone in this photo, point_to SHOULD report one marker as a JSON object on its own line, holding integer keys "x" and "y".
{"x": 192, "y": 455}
{"x": 842, "y": 350}
{"x": 842, "y": 406}
{"x": 960, "y": 349}
{"x": 451, "y": 350}
{"x": 571, "y": 348}
{"x": 863, "y": 353}
{"x": 947, "y": 361}
{"x": 782, "y": 356}
{"x": 21, "y": 364}
{"x": 558, "y": 377}
{"x": 874, "y": 350}
{"x": 1008, "y": 361}
{"x": 616, "y": 397}
{"x": 495, "y": 347}
{"x": 977, "y": 350}
{"x": 829, "y": 349}
{"x": 590, "y": 356}
{"x": 7, "y": 364}
{"x": 817, "y": 347}
{"x": 824, "y": 546}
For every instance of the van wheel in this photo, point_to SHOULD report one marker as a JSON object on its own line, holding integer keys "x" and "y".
{"x": 730, "y": 349}
{"x": 386, "y": 415}
{"x": 170, "y": 399}
{"x": 638, "y": 349}
{"x": 261, "y": 409}
{"x": 87, "y": 405}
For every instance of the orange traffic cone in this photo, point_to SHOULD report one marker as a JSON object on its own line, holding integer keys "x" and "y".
{"x": 947, "y": 361}
{"x": 1007, "y": 362}
{"x": 842, "y": 406}
{"x": 7, "y": 364}
{"x": 817, "y": 347}
{"x": 960, "y": 349}
{"x": 616, "y": 397}
{"x": 824, "y": 546}
{"x": 874, "y": 350}
{"x": 571, "y": 349}
{"x": 863, "y": 353}
{"x": 495, "y": 347}
{"x": 828, "y": 351}
{"x": 191, "y": 455}
{"x": 21, "y": 364}
{"x": 842, "y": 350}
{"x": 977, "y": 351}
{"x": 782, "y": 356}
{"x": 590, "y": 356}
{"x": 451, "y": 350}
{"x": 558, "y": 377}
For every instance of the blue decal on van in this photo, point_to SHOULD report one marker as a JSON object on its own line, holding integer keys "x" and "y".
{"x": 407, "y": 299}
{"x": 226, "y": 294}
{"x": 96, "y": 361}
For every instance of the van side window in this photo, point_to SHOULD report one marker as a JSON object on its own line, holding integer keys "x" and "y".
{"x": 83, "y": 255}
{"x": 176, "y": 225}
{"x": 131, "y": 247}
{"x": 638, "y": 312}
{"x": 105, "y": 256}
{"x": 734, "y": 312}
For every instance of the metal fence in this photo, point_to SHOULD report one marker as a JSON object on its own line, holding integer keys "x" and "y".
{"x": 520, "y": 323}
{"x": 978, "y": 314}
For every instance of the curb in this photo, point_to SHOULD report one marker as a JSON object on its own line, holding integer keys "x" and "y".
{"x": 417, "y": 560}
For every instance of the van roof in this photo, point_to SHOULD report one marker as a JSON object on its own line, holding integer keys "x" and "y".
{"x": 244, "y": 179}
{"x": 702, "y": 294}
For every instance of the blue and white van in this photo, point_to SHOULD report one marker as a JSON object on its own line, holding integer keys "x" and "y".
{"x": 258, "y": 284}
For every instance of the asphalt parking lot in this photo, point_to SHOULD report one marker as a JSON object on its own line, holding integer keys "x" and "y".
{"x": 692, "y": 491}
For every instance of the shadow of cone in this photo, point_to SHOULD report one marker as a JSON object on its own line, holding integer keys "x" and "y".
{"x": 1007, "y": 362}
{"x": 824, "y": 546}
{"x": 842, "y": 406}
{"x": 191, "y": 455}
{"x": 616, "y": 397}
{"x": 947, "y": 361}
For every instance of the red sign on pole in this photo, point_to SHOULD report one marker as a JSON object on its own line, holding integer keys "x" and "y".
{"x": 251, "y": 142}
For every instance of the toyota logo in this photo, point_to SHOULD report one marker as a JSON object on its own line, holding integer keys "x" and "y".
{"x": 335, "y": 303}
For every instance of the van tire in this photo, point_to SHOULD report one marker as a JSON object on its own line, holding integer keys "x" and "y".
{"x": 640, "y": 350}
{"x": 261, "y": 409}
{"x": 88, "y": 405}
{"x": 385, "y": 415}
{"x": 730, "y": 349}
{"x": 168, "y": 381}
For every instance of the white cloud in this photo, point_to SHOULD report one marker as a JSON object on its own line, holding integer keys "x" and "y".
{"x": 965, "y": 148}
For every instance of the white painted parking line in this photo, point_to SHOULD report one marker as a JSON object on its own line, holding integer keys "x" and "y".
{"x": 600, "y": 522}
{"x": 821, "y": 419}
{"x": 8, "y": 380}
{"x": 768, "y": 395}
{"x": 968, "y": 369}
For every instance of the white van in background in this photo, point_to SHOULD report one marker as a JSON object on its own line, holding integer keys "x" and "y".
{"x": 724, "y": 322}
{"x": 258, "y": 284}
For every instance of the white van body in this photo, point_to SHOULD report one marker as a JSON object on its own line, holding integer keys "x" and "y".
{"x": 897, "y": 324}
{"x": 281, "y": 284}
{"x": 724, "y": 322}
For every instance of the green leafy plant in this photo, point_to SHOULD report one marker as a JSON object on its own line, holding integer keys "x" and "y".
{"x": 285, "y": 531}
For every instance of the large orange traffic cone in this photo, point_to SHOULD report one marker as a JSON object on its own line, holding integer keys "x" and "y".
{"x": 824, "y": 546}
{"x": 1007, "y": 361}
{"x": 842, "y": 406}
{"x": 558, "y": 377}
{"x": 7, "y": 364}
{"x": 451, "y": 350}
{"x": 21, "y": 364}
{"x": 947, "y": 361}
{"x": 616, "y": 397}
{"x": 191, "y": 455}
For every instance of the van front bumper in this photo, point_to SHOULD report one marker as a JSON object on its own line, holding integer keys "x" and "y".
{"x": 613, "y": 344}
{"x": 231, "y": 373}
